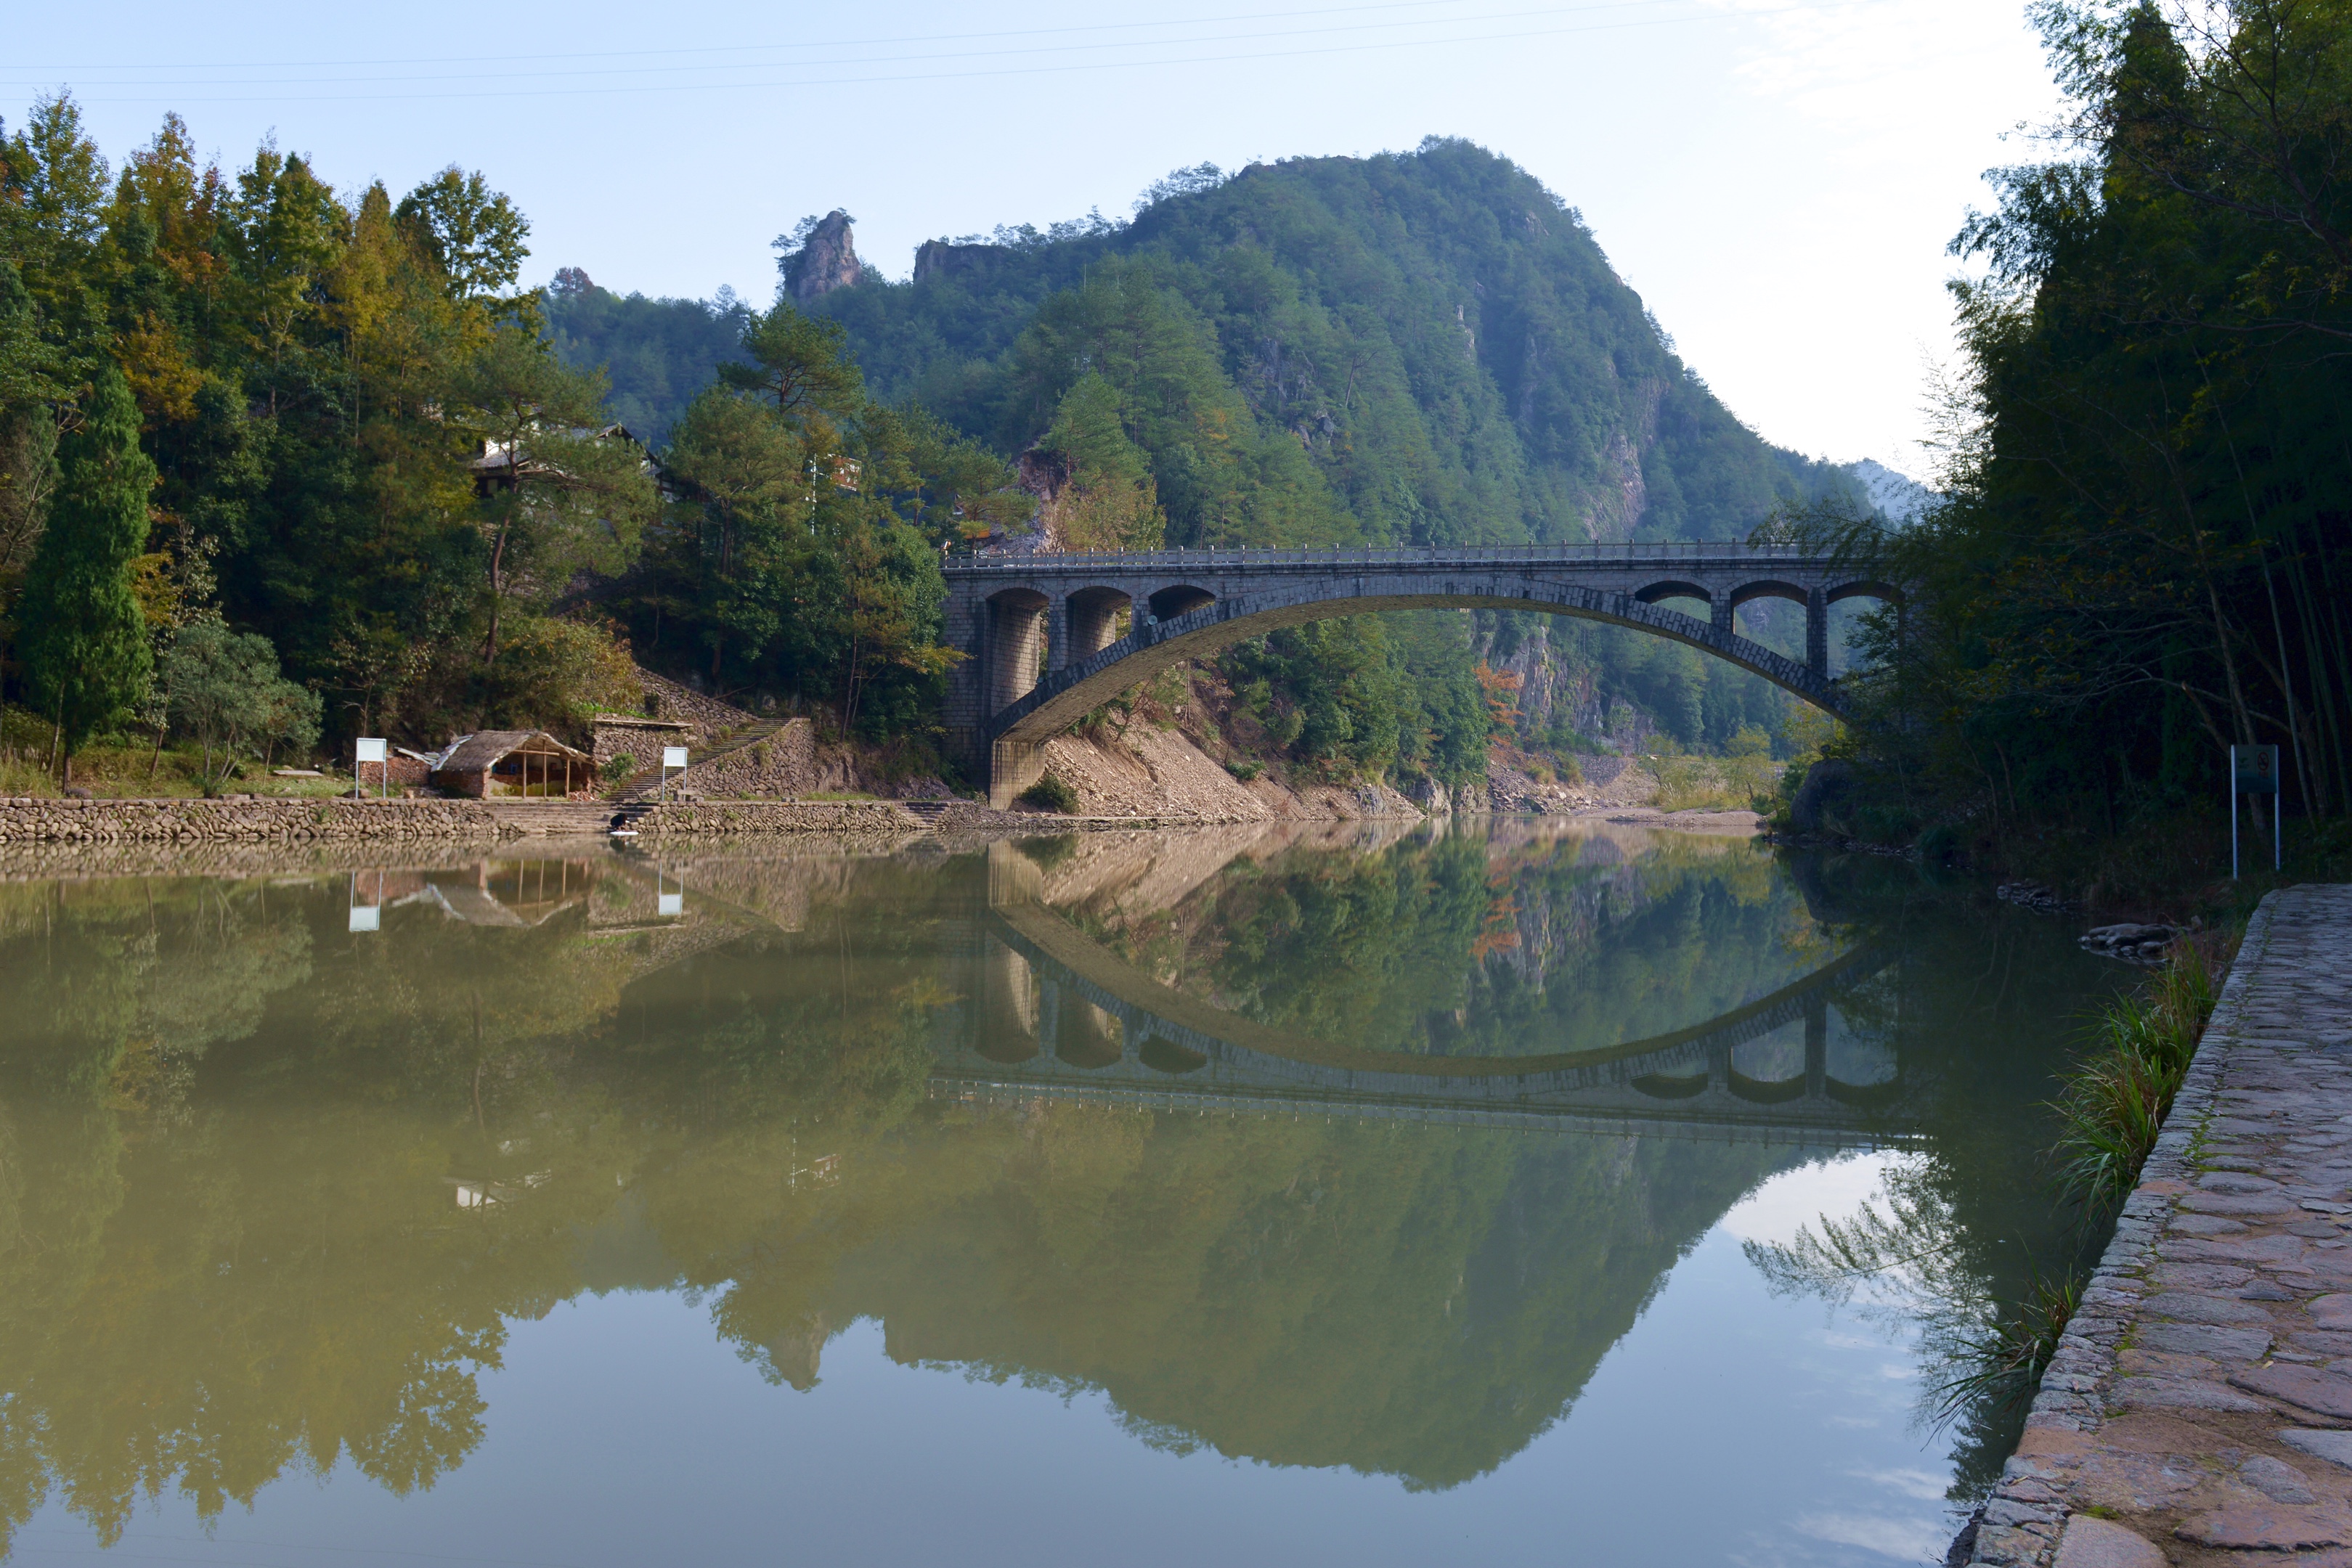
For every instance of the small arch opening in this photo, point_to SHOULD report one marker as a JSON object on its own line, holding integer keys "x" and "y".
{"x": 1016, "y": 644}
{"x": 1671, "y": 1085}
{"x": 1097, "y": 618}
{"x": 1659, "y": 593}
{"x": 1088, "y": 1037}
{"x": 1179, "y": 599}
{"x": 1164, "y": 1055}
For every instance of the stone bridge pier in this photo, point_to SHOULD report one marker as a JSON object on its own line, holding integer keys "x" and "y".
{"x": 1047, "y": 638}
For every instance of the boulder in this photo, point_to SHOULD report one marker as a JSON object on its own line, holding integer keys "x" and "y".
{"x": 1829, "y": 786}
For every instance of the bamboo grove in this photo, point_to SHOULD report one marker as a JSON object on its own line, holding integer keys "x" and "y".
{"x": 2146, "y": 547}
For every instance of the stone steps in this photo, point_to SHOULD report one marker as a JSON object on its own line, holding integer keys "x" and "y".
{"x": 563, "y": 819}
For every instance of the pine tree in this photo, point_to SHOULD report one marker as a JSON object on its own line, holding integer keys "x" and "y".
{"x": 84, "y": 643}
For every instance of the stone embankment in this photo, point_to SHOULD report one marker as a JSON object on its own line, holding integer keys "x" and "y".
{"x": 35, "y": 820}
{"x": 837, "y": 819}
{"x": 2199, "y": 1409}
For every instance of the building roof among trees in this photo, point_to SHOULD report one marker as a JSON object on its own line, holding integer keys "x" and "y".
{"x": 480, "y": 752}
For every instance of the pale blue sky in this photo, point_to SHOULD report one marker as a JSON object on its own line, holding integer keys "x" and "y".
{"x": 1778, "y": 179}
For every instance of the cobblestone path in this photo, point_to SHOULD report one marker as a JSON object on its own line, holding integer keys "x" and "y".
{"x": 2199, "y": 1408}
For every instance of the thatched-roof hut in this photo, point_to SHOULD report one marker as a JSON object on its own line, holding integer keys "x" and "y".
{"x": 504, "y": 763}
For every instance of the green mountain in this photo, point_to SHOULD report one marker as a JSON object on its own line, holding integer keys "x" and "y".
{"x": 1425, "y": 347}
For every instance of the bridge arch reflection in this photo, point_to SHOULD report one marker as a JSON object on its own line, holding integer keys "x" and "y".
{"x": 1058, "y": 1015}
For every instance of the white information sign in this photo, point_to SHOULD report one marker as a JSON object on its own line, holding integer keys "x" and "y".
{"x": 673, "y": 757}
{"x": 371, "y": 748}
{"x": 366, "y": 917}
{"x": 670, "y": 903}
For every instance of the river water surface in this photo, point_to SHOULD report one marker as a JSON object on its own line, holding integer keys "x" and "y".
{"x": 1273, "y": 1196}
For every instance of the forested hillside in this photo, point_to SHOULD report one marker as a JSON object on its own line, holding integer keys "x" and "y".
{"x": 282, "y": 464}
{"x": 1424, "y": 348}
{"x": 1438, "y": 335}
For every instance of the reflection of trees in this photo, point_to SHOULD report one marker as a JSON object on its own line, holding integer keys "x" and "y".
{"x": 267, "y": 1268}
{"x": 1461, "y": 947}
{"x": 1414, "y": 1300}
{"x": 1902, "y": 1259}
{"x": 1983, "y": 1013}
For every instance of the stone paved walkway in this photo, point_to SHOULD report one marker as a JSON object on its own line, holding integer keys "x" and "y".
{"x": 2199, "y": 1408}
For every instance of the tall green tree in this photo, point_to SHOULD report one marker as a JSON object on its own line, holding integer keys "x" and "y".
{"x": 558, "y": 497}
{"x": 83, "y": 640}
{"x": 224, "y": 689}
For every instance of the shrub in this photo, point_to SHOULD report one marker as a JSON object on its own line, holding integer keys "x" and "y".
{"x": 1050, "y": 794}
{"x": 1243, "y": 768}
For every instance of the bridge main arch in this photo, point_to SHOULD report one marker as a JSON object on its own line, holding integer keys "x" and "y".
{"x": 1182, "y": 605}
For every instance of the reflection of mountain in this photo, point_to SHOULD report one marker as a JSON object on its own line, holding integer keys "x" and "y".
{"x": 1416, "y": 1301}
{"x": 236, "y": 1138}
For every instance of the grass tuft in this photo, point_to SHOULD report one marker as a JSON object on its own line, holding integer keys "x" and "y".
{"x": 2115, "y": 1101}
{"x": 2007, "y": 1363}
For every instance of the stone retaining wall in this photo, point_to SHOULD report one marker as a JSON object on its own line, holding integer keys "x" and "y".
{"x": 34, "y": 820}
{"x": 781, "y": 767}
{"x": 706, "y": 714}
{"x": 847, "y": 818}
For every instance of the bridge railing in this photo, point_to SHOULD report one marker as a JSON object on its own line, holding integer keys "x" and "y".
{"x": 1629, "y": 552}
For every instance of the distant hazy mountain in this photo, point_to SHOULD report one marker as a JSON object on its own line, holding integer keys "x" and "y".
{"x": 1902, "y": 498}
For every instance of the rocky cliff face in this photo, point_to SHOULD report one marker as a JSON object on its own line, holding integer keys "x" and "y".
{"x": 827, "y": 261}
{"x": 943, "y": 258}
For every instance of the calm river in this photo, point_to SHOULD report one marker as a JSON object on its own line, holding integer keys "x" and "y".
{"x": 1271, "y": 1195}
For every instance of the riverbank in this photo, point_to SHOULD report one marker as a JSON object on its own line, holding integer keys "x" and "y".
{"x": 2199, "y": 1404}
{"x": 27, "y": 821}
{"x": 32, "y": 820}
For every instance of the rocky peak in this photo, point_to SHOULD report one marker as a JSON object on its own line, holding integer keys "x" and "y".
{"x": 827, "y": 259}
{"x": 945, "y": 259}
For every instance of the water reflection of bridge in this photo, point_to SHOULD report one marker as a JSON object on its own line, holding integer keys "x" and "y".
{"x": 1056, "y": 1015}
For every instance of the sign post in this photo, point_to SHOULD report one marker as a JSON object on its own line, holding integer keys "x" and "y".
{"x": 370, "y": 750}
{"x": 672, "y": 757}
{"x": 2254, "y": 771}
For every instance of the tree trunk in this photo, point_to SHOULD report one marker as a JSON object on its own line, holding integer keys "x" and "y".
{"x": 497, "y": 560}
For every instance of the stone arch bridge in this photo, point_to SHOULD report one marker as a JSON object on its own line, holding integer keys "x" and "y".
{"x": 1048, "y": 638}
